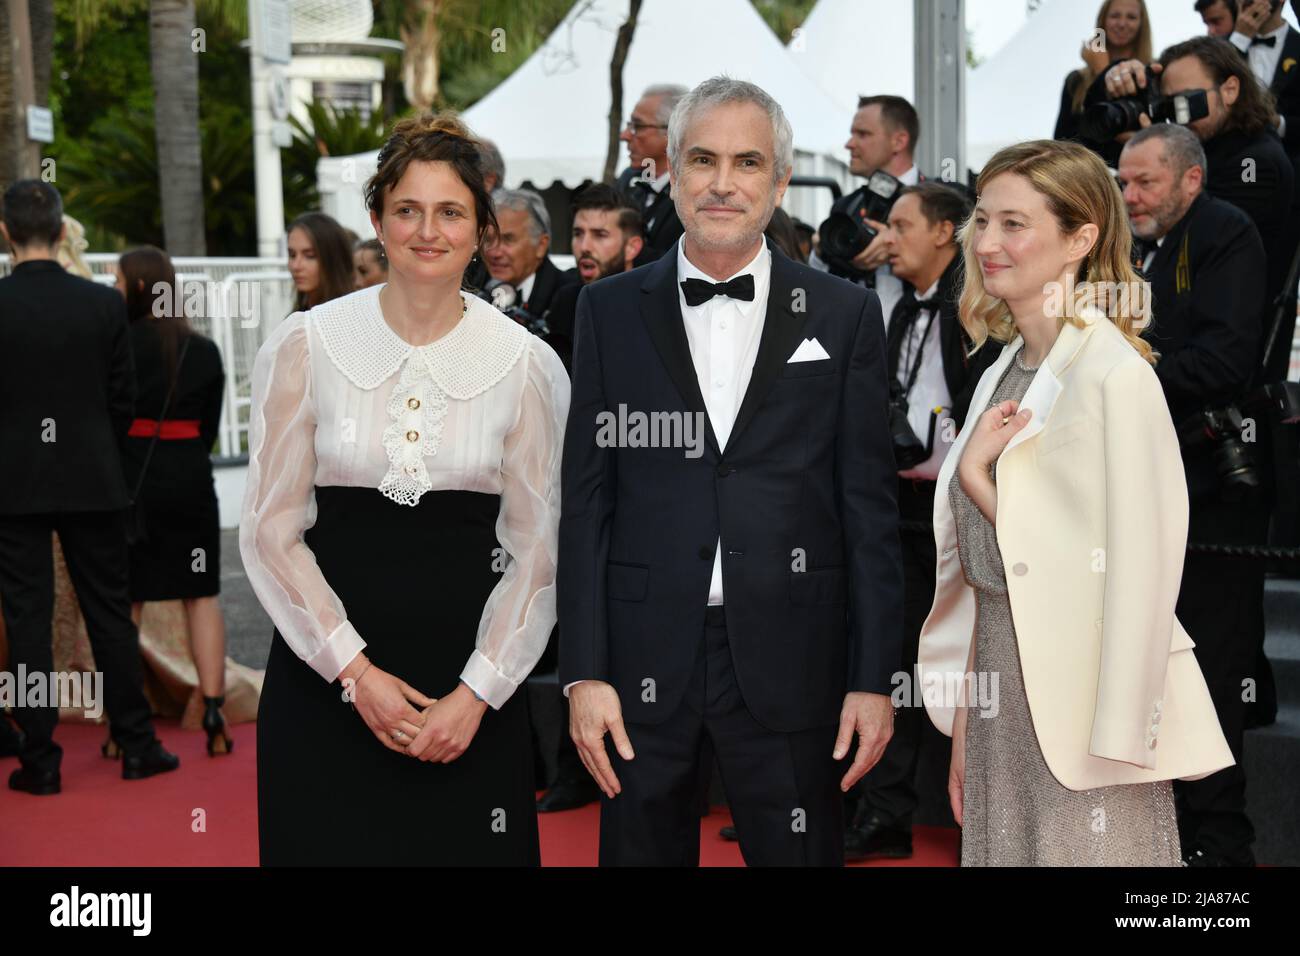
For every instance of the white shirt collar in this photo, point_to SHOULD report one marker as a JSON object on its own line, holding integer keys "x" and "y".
{"x": 476, "y": 354}
{"x": 929, "y": 293}
{"x": 911, "y": 177}
{"x": 526, "y": 288}
{"x": 660, "y": 182}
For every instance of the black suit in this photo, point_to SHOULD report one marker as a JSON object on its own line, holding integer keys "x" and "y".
{"x": 1207, "y": 291}
{"x": 662, "y": 226}
{"x": 1285, "y": 87}
{"x": 67, "y": 387}
{"x": 804, "y": 501}
{"x": 549, "y": 281}
{"x": 888, "y": 791}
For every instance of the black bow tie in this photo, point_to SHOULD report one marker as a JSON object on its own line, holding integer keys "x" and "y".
{"x": 699, "y": 291}
{"x": 1264, "y": 41}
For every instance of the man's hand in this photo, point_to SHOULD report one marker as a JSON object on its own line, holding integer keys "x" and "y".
{"x": 594, "y": 709}
{"x": 877, "y": 252}
{"x": 871, "y": 716}
{"x": 1127, "y": 77}
{"x": 1253, "y": 15}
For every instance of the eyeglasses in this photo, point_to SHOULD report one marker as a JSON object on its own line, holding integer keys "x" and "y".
{"x": 635, "y": 126}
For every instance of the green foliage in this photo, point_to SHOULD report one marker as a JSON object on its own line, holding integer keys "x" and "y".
{"x": 329, "y": 132}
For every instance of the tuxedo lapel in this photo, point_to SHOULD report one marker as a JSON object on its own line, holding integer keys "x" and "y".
{"x": 782, "y": 333}
{"x": 661, "y": 311}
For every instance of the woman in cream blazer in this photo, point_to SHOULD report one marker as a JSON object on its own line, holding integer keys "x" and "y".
{"x": 1091, "y": 502}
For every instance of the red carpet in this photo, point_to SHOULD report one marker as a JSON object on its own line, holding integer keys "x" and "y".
{"x": 102, "y": 820}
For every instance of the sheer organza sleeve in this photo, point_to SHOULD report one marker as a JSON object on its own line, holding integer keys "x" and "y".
{"x": 520, "y": 612}
{"x": 280, "y": 505}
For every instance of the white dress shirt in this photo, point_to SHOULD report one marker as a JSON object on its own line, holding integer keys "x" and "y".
{"x": 339, "y": 398}
{"x": 930, "y": 390}
{"x": 526, "y": 289}
{"x": 1263, "y": 59}
{"x": 723, "y": 334}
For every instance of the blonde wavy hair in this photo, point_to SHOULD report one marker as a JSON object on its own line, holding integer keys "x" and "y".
{"x": 1079, "y": 189}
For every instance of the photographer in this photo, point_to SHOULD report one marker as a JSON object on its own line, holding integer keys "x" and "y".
{"x": 524, "y": 280}
{"x": 881, "y": 141}
{"x": 932, "y": 382}
{"x": 1206, "y": 81}
{"x": 1207, "y": 284}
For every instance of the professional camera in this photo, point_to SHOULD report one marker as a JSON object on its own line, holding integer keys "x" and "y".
{"x": 1102, "y": 122}
{"x": 846, "y": 232}
{"x": 1221, "y": 429}
{"x": 908, "y": 449}
{"x": 505, "y": 298}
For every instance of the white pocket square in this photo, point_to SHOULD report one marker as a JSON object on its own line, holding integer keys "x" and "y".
{"x": 809, "y": 350}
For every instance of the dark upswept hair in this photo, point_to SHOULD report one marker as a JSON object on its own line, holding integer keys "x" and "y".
{"x": 1203, "y": 5}
{"x": 434, "y": 138}
{"x": 606, "y": 198}
{"x": 333, "y": 252}
{"x": 1253, "y": 112}
{"x": 145, "y": 268}
{"x": 941, "y": 203}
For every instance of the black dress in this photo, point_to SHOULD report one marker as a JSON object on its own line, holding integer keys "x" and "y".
{"x": 180, "y": 556}
{"x": 402, "y": 501}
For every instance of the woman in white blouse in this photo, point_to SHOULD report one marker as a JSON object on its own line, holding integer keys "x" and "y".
{"x": 399, "y": 526}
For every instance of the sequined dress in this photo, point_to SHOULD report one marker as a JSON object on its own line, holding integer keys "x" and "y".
{"x": 1015, "y": 812}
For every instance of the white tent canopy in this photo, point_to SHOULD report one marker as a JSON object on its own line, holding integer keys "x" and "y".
{"x": 549, "y": 118}
{"x": 853, "y": 48}
{"x": 1015, "y": 94}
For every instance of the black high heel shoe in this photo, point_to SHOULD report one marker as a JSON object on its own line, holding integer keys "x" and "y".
{"x": 214, "y": 724}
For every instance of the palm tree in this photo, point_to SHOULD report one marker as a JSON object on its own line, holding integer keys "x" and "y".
{"x": 174, "y": 66}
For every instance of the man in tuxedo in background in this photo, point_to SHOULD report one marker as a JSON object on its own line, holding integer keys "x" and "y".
{"x": 67, "y": 394}
{"x": 926, "y": 355}
{"x": 608, "y": 235}
{"x": 646, "y": 181}
{"x": 735, "y": 579}
{"x": 1272, "y": 47}
{"x": 518, "y": 258}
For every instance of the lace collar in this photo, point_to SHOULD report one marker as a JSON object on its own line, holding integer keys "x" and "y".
{"x": 471, "y": 358}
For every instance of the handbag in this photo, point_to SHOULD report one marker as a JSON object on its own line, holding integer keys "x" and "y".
{"x": 137, "y": 530}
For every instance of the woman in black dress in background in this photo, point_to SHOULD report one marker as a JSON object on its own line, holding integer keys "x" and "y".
{"x": 180, "y": 555}
{"x": 399, "y": 526}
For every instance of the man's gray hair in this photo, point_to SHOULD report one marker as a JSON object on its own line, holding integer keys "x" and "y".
{"x": 1182, "y": 149}
{"x": 723, "y": 89}
{"x": 671, "y": 94}
{"x": 525, "y": 200}
{"x": 490, "y": 160}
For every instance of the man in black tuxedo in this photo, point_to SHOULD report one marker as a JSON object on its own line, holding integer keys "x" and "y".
{"x": 766, "y": 478}
{"x": 1207, "y": 283}
{"x": 1272, "y": 48}
{"x": 646, "y": 182}
{"x": 67, "y": 390}
{"x": 518, "y": 258}
{"x": 926, "y": 355}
